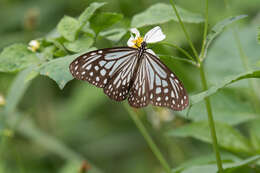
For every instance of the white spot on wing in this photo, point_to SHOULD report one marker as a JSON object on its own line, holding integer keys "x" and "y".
{"x": 103, "y": 72}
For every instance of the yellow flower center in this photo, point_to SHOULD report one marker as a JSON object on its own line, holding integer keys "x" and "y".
{"x": 137, "y": 42}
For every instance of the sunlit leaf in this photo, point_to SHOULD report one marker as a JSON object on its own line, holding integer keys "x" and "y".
{"x": 162, "y": 13}
{"x": 89, "y": 11}
{"x": 102, "y": 21}
{"x": 228, "y": 137}
{"x": 79, "y": 45}
{"x": 217, "y": 29}
{"x": 68, "y": 27}
{"x": 58, "y": 69}
{"x": 199, "y": 97}
{"x": 16, "y": 57}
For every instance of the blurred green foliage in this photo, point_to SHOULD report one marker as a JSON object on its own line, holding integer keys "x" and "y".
{"x": 46, "y": 129}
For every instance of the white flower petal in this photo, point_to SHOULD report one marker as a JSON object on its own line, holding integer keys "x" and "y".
{"x": 130, "y": 42}
{"x": 154, "y": 35}
{"x": 150, "y": 51}
{"x": 136, "y": 32}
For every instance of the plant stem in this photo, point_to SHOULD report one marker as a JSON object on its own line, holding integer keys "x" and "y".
{"x": 205, "y": 30}
{"x": 204, "y": 82}
{"x": 180, "y": 49}
{"x": 148, "y": 139}
{"x": 207, "y": 100}
{"x": 184, "y": 30}
{"x": 211, "y": 121}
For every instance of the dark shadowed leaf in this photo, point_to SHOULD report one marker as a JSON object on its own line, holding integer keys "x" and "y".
{"x": 113, "y": 34}
{"x": 16, "y": 57}
{"x": 162, "y": 13}
{"x": 102, "y": 21}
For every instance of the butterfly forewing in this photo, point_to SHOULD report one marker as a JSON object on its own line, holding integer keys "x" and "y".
{"x": 162, "y": 86}
{"x": 98, "y": 66}
{"x": 110, "y": 68}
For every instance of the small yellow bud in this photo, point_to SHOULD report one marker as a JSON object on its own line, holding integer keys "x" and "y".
{"x": 8, "y": 133}
{"x": 2, "y": 100}
{"x": 34, "y": 45}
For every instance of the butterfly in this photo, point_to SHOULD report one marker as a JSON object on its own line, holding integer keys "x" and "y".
{"x": 133, "y": 72}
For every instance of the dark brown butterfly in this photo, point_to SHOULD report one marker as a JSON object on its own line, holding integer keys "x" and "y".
{"x": 134, "y": 72}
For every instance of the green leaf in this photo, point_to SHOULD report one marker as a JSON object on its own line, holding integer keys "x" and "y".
{"x": 102, "y": 21}
{"x": 258, "y": 35}
{"x": 162, "y": 13}
{"x": 223, "y": 57}
{"x": 58, "y": 69}
{"x": 230, "y": 107}
{"x": 201, "y": 96}
{"x": 89, "y": 11}
{"x": 79, "y": 45}
{"x": 114, "y": 34}
{"x": 228, "y": 137}
{"x": 228, "y": 168}
{"x": 233, "y": 166}
{"x": 254, "y": 130}
{"x": 16, "y": 57}
{"x": 68, "y": 27}
{"x": 18, "y": 88}
{"x": 226, "y": 157}
{"x": 217, "y": 29}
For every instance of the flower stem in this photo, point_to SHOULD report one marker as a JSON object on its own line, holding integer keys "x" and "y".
{"x": 148, "y": 139}
{"x": 184, "y": 30}
{"x": 180, "y": 49}
{"x": 211, "y": 121}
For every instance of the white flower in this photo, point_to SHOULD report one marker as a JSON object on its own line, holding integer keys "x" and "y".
{"x": 152, "y": 36}
{"x": 34, "y": 45}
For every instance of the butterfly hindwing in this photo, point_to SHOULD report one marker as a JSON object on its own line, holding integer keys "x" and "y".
{"x": 138, "y": 96}
{"x": 118, "y": 86}
{"x": 162, "y": 87}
